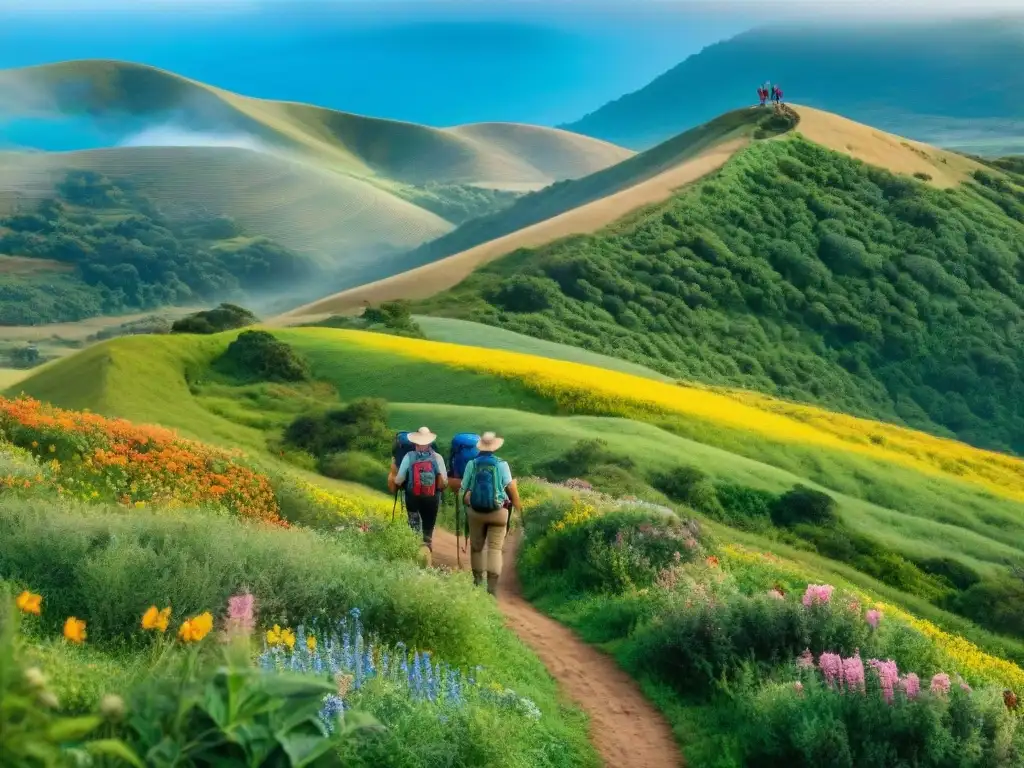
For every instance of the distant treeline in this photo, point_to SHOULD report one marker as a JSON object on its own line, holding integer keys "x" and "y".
{"x": 124, "y": 254}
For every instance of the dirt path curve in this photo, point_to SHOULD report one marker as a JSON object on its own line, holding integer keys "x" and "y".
{"x": 626, "y": 729}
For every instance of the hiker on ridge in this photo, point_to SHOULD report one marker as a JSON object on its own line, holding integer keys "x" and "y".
{"x": 762, "y": 95}
{"x": 488, "y": 491}
{"x": 424, "y": 476}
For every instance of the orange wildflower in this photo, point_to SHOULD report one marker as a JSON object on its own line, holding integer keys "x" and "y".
{"x": 74, "y": 630}
{"x": 195, "y": 629}
{"x": 156, "y": 619}
{"x": 28, "y": 602}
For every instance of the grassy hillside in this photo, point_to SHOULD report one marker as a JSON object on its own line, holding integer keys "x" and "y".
{"x": 799, "y": 272}
{"x": 919, "y": 499}
{"x": 362, "y": 146}
{"x": 947, "y": 82}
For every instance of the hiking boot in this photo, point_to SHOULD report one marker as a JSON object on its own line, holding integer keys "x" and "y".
{"x": 492, "y": 584}
{"x": 478, "y": 578}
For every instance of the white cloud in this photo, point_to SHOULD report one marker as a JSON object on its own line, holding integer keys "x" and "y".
{"x": 177, "y": 136}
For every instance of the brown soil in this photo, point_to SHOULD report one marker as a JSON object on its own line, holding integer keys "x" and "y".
{"x": 626, "y": 729}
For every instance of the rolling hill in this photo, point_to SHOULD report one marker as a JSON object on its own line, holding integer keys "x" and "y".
{"x": 802, "y": 269}
{"x": 346, "y": 191}
{"x": 947, "y": 82}
{"x": 587, "y": 205}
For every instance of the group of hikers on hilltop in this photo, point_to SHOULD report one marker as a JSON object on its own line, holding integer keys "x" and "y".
{"x": 766, "y": 91}
{"x": 481, "y": 482}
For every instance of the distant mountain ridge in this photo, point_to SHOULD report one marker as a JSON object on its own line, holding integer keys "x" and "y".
{"x": 951, "y": 83}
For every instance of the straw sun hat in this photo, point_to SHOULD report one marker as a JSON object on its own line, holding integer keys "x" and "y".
{"x": 422, "y": 436}
{"x": 490, "y": 442}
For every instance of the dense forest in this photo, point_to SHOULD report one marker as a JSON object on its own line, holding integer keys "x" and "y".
{"x": 117, "y": 252}
{"x": 802, "y": 273}
{"x": 458, "y": 203}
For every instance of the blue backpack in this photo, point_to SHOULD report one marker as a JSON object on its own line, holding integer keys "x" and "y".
{"x": 484, "y": 496}
{"x": 463, "y": 450}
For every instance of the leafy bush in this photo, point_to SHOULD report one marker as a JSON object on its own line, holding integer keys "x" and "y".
{"x": 394, "y": 316}
{"x": 803, "y": 505}
{"x": 690, "y": 647}
{"x": 226, "y": 317}
{"x": 994, "y": 603}
{"x": 526, "y": 293}
{"x": 817, "y": 726}
{"x": 583, "y": 457}
{"x": 260, "y": 356}
{"x": 952, "y": 571}
{"x": 356, "y": 467}
{"x": 361, "y": 426}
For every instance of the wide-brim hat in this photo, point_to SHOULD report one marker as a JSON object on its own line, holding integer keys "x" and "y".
{"x": 422, "y": 436}
{"x": 490, "y": 442}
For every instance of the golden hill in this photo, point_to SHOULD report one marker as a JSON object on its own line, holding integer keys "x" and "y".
{"x": 596, "y": 201}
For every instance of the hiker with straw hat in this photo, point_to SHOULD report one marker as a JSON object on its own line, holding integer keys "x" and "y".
{"x": 488, "y": 489}
{"x": 424, "y": 477}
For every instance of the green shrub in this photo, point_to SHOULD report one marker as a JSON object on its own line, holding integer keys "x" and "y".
{"x": 226, "y": 317}
{"x": 690, "y": 647}
{"x": 997, "y": 604}
{"x": 745, "y": 507}
{"x": 261, "y": 356}
{"x": 356, "y": 467}
{"x": 394, "y": 316}
{"x": 803, "y": 505}
{"x": 952, "y": 571}
{"x": 361, "y": 426}
{"x": 818, "y": 726}
{"x": 583, "y": 457}
{"x": 526, "y": 293}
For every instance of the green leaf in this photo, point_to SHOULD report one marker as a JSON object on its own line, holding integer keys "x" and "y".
{"x": 73, "y": 728}
{"x": 304, "y": 749}
{"x": 116, "y": 749}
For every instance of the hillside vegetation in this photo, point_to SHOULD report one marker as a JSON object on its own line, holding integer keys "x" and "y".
{"x": 947, "y": 82}
{"x": 798, "y": 272}
{"x": 102, "y": 248}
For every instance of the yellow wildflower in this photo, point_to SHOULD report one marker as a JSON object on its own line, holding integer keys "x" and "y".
{"x": 74, "y": 630}
{"x": 156, "y": 619}
{"x": 288, "y": 638}
{"x": 28, "y": 602}
{"x": 311, "y": 643}
{"x": 195, "y": 629}
{"x": 274, "y": 636}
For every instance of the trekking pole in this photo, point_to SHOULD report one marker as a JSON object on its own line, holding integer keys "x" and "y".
{"x": 394, "y": 507}
{"x": 458, "y": 551}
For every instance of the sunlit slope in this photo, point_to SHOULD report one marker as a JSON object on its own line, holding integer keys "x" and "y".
{"x": 332, "y": 217}
{"x": 496, "y": 154}
{"x": 577, "y": 207}
{"x": 589, "y": 204}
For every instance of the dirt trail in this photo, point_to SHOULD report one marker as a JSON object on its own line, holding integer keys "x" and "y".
{"x": 626, "y": 729}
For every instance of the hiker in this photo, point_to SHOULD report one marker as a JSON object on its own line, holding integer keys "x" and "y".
{"x": 423, "y": 475}
{"x": 463, "y": 450}
{"x": 762, "y": 95}
{"x": 778, "y": 95}
{"x": 488, "y": 492}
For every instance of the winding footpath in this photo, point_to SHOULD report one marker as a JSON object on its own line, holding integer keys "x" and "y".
{"x": 626, "y": 729}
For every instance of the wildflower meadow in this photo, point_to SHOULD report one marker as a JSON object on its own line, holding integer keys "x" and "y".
{"x": 794, "y": 670}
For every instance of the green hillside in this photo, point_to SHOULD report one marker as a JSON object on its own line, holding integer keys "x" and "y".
{"x": 566, "y": 195}
{"x": 908, "y": 522}
{"x": 803, "y": 273}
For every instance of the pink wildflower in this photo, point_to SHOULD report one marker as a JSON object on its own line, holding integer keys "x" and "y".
{"x": 817, "y": 594}
{"x": 888, "y": 676}
{"x": 873, "y": 618}
{"x": 940, "y": 683}
{"x": 798, "y": 687}
{"x": 831, "y": 666}
{"x": 241, "y": 612}
{"x": 911, "y": 685}
{"x": 805, "y": 660}
{"x": 690, "y": 542}
{"x": 774, "y": 594}
{"x": 853, "y": 672}
{"x": 963, "y": 685}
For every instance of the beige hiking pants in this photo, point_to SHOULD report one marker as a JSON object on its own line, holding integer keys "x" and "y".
{"x": 486, "y": 538}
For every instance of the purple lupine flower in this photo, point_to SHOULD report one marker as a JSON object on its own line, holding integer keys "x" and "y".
{"x": 332, "y": 710}
{"x": 873, "y": 618}
{"x": 853, "y": 672}
{"x": 817, "y": 594}
{"x": 911, "y": 685}
{"x": 888, "y": 676}
{"x": 831, "y": 666}
{"x": 940, "y": 684}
